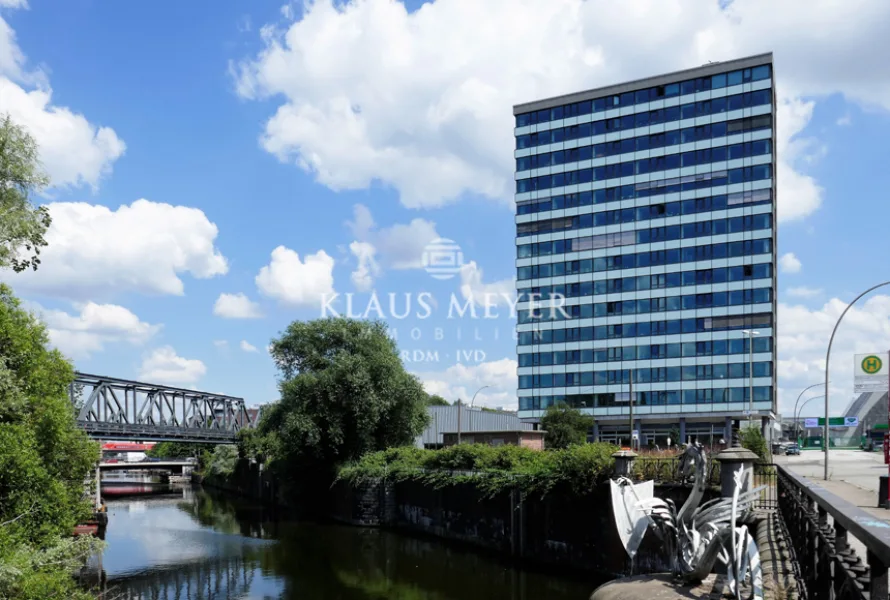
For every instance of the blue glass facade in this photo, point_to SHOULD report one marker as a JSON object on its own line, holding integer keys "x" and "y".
{"x": 645, "y": 217}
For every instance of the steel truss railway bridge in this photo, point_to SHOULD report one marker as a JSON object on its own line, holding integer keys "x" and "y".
{"x": 118, "y": 409}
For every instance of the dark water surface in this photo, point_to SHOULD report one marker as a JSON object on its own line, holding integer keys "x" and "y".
{"x": 189, "y": 544}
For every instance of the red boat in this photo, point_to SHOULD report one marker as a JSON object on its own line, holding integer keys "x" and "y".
{"x": 86, "y": 529}
{"x": 95, "y": 526}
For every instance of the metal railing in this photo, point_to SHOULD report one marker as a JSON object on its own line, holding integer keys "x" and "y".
{"x": 667, "y": 470}
{"x": 767, "y": 475}
{"x": 818, "y": 523}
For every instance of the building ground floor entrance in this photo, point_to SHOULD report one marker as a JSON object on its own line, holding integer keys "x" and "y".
{"x": 666, "y": 432}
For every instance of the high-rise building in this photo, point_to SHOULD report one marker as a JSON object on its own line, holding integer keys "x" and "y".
{"x": 649, "y": 206}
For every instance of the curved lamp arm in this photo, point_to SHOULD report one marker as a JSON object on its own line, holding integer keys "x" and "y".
{"x": 825, "y": 441}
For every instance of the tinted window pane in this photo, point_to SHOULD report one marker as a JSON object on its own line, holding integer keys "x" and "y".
{"x": 761, "y": 72}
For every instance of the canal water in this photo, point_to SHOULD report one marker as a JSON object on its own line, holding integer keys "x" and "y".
{"x": 191, "y": 544}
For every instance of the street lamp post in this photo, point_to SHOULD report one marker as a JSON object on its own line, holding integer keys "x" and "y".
{"x": 471, "y": 406}
{"x": 798, "y": 413}
{"x": 750, "y": 333}
{"x": 826, "y": 442}
{"x": 799, "y": 396}
{"x": 477, "y": 391}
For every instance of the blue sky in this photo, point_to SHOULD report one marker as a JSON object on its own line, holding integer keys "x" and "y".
{"x": 251, "y": 127}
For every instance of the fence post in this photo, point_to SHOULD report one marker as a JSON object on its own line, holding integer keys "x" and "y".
{"x": 877, "y": 570}
{"x": 624, "y": 463}
{"x": 731, "y": 461}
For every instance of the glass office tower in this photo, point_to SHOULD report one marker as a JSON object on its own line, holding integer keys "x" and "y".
{"x": 645, "y": 224}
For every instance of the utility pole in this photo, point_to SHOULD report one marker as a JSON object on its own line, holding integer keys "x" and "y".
{"x": 630, "y": 403}
{"x": 458, "y": 421}
{"x": 750, "y": 333}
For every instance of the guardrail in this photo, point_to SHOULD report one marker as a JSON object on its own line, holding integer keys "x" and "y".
{"x": 830, "y": 568}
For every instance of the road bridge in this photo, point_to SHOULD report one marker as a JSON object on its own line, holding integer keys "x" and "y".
{"x": 109, "y": 408}
{"x": 184, "y": 467}
{"x": 167, "y": 465}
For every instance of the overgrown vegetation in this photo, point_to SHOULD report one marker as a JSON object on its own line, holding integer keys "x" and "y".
{"x": 175, "y": 450}
{"x": 753, "y": 440}
{"x": 565, "y": 426}
{"x": 492, "y": 469}
{"x": 44, "y": 460}
{"x": 344, "y": 393}
{"x": 221, "y": 462}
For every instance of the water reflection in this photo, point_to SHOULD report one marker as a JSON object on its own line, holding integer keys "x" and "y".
{"x": 192, "y": 545}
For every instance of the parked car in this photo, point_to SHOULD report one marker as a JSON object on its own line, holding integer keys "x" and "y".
{"x": 793, "y": 449}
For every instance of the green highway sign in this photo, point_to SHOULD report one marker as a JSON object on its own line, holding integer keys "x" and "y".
{"x": 832, "y": 422}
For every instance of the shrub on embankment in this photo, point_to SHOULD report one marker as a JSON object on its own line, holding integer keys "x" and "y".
{"x": 491, "y": 469}
{"x": 44, "y": 460}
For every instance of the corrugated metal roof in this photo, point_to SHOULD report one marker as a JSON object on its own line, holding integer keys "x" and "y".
{"x": 443, "y": 419}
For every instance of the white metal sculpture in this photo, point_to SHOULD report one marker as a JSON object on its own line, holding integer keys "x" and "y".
{"x": 694, "y": 537}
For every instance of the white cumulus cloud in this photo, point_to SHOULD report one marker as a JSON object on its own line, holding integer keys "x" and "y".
{"x": 421, "y": 101}
{"x": 236, "y": 306}
{"x": 804, "y": 292}
{"x": 74, "y": 151}
{"x": 803, "y": 340}
{"x": 789, "y": 263}
{"x": 399, "y": 246}
{"x": 247, "y": 346}
{"x": 463, "y": 381}
{"x": 366, "y": 269}
{"x": 472, "y": 287}
{"x": 94, "y": 251}
{"x": 163, "y": 365}
{"x": 295, "y": 281}
{"x": 93, "y": 327}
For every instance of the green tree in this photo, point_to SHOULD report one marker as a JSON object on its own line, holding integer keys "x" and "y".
{"x": 565, "y": 426}
{"x": 344, "y": 392}
{"x": 22, "y": 225}
{"x": 675, "y": 437}
{"x": 753, "y": 440}
{"x": 436, "y": 400}
{"x": 175, "y": 450}
{"x": 44, "y": 460}
{"x": 222, "y": 461}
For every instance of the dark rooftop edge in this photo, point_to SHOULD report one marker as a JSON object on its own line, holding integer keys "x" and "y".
{"x": 709, "y": 69}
